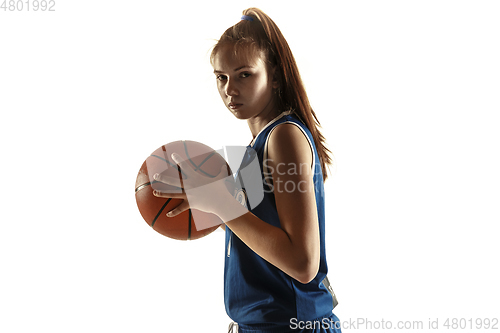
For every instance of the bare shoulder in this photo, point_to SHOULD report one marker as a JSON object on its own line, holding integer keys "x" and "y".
{"x": 288, "y": 144}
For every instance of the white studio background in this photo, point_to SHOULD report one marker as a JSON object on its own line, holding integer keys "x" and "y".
{"x": 406, "y": 91}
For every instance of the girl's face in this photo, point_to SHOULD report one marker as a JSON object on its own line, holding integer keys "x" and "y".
{"x": 245, "y": 84}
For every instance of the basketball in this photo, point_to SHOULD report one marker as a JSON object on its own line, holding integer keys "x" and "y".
{"x": 153, "y": 209}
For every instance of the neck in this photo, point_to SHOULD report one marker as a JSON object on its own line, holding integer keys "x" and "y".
{"x": 256, "y": 124}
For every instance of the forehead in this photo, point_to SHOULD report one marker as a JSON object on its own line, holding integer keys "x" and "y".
{"x": 231, "y": 56}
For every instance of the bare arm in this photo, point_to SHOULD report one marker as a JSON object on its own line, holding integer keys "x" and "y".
{"x": 293, "y": 248}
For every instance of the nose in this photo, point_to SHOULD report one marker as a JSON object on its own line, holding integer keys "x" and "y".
{"x": 231, "y": 89}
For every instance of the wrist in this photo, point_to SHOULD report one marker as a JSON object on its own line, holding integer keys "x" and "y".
{"x": 231, "y": 209}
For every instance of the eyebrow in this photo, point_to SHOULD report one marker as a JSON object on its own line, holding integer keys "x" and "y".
{"x": 236, "y": 69}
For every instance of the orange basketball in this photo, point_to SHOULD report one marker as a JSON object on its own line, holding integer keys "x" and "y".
{"x": 153, "y": 209}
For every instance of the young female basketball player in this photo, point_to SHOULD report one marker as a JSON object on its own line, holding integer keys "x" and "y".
{"x": 275, "y": 252}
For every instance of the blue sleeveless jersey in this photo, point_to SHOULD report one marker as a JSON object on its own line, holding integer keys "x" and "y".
{"x": 258, "y": 295}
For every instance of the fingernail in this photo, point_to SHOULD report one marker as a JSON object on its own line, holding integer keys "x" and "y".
{"x": 169, "y": 214}
{"x": 155, "y": 176}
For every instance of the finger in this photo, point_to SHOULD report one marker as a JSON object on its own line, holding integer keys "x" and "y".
{"x": 172, "y": 195}
{"x": 177, "y": 159}
{"x": 174, "y": 181}
{"x": 183, "y": 206}
{"x": 186, "y": 168}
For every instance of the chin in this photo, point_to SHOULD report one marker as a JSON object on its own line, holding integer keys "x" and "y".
{"x": 238, "y": 114}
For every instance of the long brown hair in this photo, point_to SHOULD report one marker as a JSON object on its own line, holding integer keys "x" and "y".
{"x": 263, "y": 35}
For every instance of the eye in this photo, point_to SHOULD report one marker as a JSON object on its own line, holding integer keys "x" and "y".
{"x": 221, "y": 77}
{"x": 245, "y": 74}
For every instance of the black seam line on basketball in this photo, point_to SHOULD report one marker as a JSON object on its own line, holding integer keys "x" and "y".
{"x": 170, "y": 163}
{"x": 166, "y": 160}
{"x": 196, "y": 166}
{"x": 190, "y": 222}
{"x": 161, "y": 210}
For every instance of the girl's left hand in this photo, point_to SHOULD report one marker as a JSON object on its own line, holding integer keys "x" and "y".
{"x": 199, "y": 191}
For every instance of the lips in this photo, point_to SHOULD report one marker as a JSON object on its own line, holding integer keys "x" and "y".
{"x": 234, "y": 106}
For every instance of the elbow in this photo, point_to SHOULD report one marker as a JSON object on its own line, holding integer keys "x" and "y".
{"x": 307, "y": 277}
{"x": 308, "y": 271}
